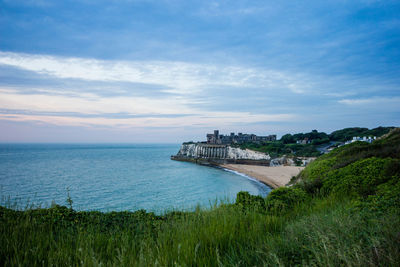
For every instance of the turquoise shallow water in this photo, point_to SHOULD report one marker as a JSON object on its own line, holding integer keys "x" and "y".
{"x": 114, "y": 177}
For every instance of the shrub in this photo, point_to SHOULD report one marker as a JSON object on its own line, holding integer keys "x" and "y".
{"x": 250, "y": 202}
{"x": 360, "y": 178}
{"x": 311, "y": 186}
{"x": 349, "y": 154}
{"x": 284, "y": 198}
{"x": 387, "y": 196}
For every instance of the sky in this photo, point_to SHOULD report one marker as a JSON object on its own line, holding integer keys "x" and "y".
{"x": 166, "y": 71}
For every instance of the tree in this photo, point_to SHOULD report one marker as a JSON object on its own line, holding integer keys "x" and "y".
{"x": 287, "y": 139}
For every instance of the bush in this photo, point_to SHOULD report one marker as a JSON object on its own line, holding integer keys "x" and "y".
{"x": 387, "y": 197}
{"x": 312, "y": 187}
{"x": 360, "y": 178}
{"x": 250, "y": 202}
{"x": 348, "y": 154}
{"x": 284, "y": 198}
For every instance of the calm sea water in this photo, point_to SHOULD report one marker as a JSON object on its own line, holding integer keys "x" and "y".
{"x": 114, "y": 177}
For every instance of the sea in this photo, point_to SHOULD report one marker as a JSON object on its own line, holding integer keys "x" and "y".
{"x": 114, "y": 177}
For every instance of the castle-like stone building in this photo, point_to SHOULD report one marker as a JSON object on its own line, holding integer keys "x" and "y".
{"x": 240, "y": 138}
{"x": 218, "y": 150}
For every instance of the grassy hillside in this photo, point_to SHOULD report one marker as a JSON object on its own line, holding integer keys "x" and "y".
{"x": 386, "y": 147}
{"x": 348, "y": 133}
{"x": 343, "y": 209}
{"x": 287, "y": 144}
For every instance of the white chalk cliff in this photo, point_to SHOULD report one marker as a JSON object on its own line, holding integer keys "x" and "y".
{"x": 200, "y": 150}
{"x": 238, "y": 153}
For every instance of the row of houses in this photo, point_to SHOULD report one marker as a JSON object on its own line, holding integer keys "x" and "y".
{"x": 368, "y": 139}
{"x": 304, "y": 141}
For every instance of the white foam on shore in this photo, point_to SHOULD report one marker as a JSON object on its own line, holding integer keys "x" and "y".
{"x": 246, "y": 176}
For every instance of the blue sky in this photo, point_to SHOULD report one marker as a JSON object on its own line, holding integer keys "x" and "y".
{"x": 170, "y": 71}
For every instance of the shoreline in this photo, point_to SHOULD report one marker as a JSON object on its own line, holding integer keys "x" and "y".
{"x": 274, "y": 177}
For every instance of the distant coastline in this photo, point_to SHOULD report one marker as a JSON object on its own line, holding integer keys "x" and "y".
{"x": 223, "y": 151}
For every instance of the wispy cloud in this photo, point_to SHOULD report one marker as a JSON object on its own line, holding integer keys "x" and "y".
{"x": 162, "y": 94}
{"x": 175, "y": 77}
{"x": 88, "y": 115}
{"x": 75, "y": 105}
{"x": 90, "y": 103}
{"x": 230, "y": 9}
{"x": 383, "y": 102}
{"x": 361, "y": 101}
{"x": 213, "y": 120}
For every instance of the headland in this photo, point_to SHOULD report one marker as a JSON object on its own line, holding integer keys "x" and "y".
{"x": 224, "y": 151}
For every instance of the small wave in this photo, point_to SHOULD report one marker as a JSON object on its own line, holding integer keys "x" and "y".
{"x": 246, "y": 176}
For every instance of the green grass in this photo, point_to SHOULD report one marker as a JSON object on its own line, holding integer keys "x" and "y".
{"x": 344, "y": 210}
{"x": 322, "y": 231}
{"x": 388, "y": 147}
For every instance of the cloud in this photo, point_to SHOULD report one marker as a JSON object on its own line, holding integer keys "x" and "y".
{"x": 220, "y": 119}
{"x": 175, "y": 77}
{"x": 88, "y": 110}
{"x": 53, "y": 86}
{"x": 89, "y": 103}
{"x": 356, "y": 101}
{"x": 82, "y": 92}
{"x": 123, "y": 94}
{"x": 372, "y": 101}
{"x": 231, "y": 9}
{"x": 86, "y": 115}
{"x": 28, "y": 82}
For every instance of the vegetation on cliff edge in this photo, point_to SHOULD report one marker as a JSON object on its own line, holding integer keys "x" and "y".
{"x": 288, "y": 145}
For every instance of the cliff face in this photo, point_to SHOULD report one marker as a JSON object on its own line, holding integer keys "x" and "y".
{"x": 188, "y": 150}
{"x": 199, "y": 150}
{"x": 237, "y": 153}
{"x": 220, "y": 154}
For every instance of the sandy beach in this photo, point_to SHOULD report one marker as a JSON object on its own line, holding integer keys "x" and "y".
{"x": 272, "y": 176}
